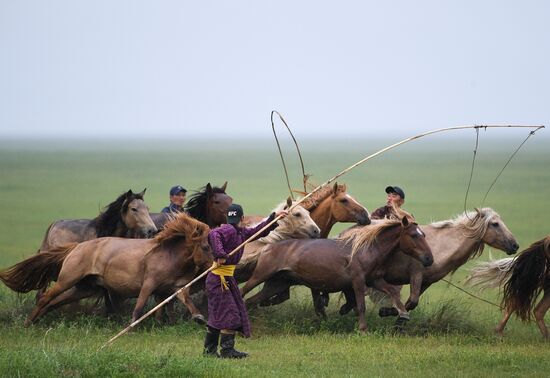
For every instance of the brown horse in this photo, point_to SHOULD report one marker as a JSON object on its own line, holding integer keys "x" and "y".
{"x": 124, "y": 267}
{"x": 327, "y": 206}
{"x": 523, "y": 278}
{"x": 338, "y": 265}
{"x": 127, "y": 216}
{"x": 453, "y": 243}
{"x": 208, "y": 205}
{"x": 296, "y": 225}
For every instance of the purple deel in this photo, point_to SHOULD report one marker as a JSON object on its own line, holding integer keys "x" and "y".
{"x": 226, "y": 308}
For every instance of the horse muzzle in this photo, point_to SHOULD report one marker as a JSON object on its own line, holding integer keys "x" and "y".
{"x": 512, "y": 248}
{"x": 426, "y": 260}
{"x": 315, "y": 233}
{"x": 363, "y": 219}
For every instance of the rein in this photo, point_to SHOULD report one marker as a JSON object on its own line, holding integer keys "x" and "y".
{"x": 297, "y": 203}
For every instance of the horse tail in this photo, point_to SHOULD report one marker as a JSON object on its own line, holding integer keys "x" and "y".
{"x": 526, "y": 281}
{"x": 490, "y": 274}
{"x": 37, "y": 271}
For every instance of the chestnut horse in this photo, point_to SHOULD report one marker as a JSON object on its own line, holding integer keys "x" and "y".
{"x": 453, "y": 243}
{"x": 127, "y": 217}
{"x": 126, "y": 268}
{"x": 208, "y": 205}
{"x": 523, "y": 278}
{"x": 338, "y": 265}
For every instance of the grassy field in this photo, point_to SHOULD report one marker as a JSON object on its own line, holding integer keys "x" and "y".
{"x": 450, "y": 334}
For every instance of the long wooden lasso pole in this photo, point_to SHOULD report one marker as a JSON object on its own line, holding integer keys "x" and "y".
{"x": 168, "y": 299}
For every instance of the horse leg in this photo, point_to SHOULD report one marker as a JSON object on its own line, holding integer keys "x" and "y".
{"x": 271, "y": 288}
{"x": 500, "y": 327}
{"x": 540, "y": 311}
{"x": 147, "y": 289}
{"x": 395, "y": 293}
{"x": 359, "y": 289}
{"x": 277, "y": 298}
{"x": 350, "y": 302}
{"x": 74, "y": 294}
{"x": 319, "y": 303}
{"x": 254, "y": 281}
{"x": 416, "y": 289}
{"x": 185, "y": 298}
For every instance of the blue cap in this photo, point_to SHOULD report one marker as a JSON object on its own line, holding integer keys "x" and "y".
{"x": 177, "y": 190}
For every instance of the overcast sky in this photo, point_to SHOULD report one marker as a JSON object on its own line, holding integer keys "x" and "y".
{"x": 179, "y": 68}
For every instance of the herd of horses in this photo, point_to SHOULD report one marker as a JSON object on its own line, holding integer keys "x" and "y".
{"x": 128, "y": 252}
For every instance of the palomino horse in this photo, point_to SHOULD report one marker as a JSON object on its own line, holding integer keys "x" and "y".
{"x": 453, "y": 243}
{"x": 208, "y": 205}
{"x": 523, "y": 278}
{"x": 124, "y": 267}
{"x": 337, "y": 265}
{"x": 127, "y": 217}
{"x": 296, "y": 225}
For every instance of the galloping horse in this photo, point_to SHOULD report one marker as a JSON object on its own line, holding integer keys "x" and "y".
{"x": 124, "y": 267}
{"x": 127, "y": 216}
{"x": 208, "y": 205}
{"x": 523, "y": 278}
{"x": 338, "y": 265}
{"x": 327, "y": 206}
{"x": 453, "y": 243}
{"x": 296, "y": 225}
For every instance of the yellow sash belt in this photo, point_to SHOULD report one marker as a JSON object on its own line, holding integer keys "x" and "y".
{"x": 224, "y": 271}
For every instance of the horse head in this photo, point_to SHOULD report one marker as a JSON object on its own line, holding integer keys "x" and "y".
{"x": 135, "y": 215}
{"x": 412, "y": 242}
{"x": 494, "y": 232}
{"x": 345, "y": 208}
{"x": 217, "y": 203}
{"x": 298, "y": 223}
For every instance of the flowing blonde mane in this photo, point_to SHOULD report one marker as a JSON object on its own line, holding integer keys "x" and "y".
{"x": 473, "y": 223}
{"x": 182, "y": 225}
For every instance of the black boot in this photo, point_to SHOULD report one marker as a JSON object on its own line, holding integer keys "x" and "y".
{"x": 211, "y": 343}
{"x": 227, "y": 345}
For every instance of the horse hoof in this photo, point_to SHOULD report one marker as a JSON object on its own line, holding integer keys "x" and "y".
{"x": 199, "y": 319}
{"x": 387, "y": 311}
{"x": 27, "y": 323}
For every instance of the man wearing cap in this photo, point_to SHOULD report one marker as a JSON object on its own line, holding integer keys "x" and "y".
{"x": 396, "y": 196}
{"x": 226, "y": 309}
{"x": 177, "y": 199}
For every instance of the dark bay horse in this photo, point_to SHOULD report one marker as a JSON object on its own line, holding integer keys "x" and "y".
{"x": 523, "y": 279}
{"x": 344, "y": 265}
{"x": 453, "y": 243}
{"x": 127, "y": 216}
{"x": 208, "y": 205}
{"x": 124, "y": 267}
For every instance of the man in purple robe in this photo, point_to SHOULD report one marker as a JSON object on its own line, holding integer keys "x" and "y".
{"x": 226, "y": 309}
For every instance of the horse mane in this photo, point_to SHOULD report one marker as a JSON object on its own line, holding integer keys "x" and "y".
{"x": 182, "y": 226}
{"x": 108, "y": 220}
{"x": 196, "y": 205}
{"x": 473, "y": 225}
{"x": 319, "y": 196}
{"x": 361, "y": 237}
{"x": 528, "y": 277}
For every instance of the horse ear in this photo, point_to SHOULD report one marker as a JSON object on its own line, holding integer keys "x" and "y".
{"x": 209, "y": 190}
{"x": 335, "y": 189}
{"x": 288, "y": 203}
{"x": 129, "y": 193}
{"x": 224, "y": 186}
{"x": 344, "y": 188}
{"x": 142, "y": 193}
{"x": 405, "y": 221}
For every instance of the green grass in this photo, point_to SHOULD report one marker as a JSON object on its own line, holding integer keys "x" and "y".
{"x": 450, "y": 334}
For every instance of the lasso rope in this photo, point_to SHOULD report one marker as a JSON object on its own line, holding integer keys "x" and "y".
{"x": 470, "y": 294}
{"x": 304, "y": 175}
{"x": 168, "y": 299}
